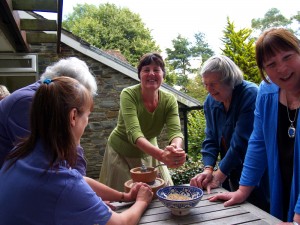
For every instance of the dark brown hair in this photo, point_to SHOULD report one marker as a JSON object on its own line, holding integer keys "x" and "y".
{"x": 149, "y": 58}
{"x": 270, "y": 42}
{"x": 50, "y": 120}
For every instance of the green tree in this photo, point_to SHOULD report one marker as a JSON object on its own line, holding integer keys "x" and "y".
{"x": 171, "y": 76}
{"x": 201, "y": 47}
{"x": 180, "y": 54}
{"x": 109, "y": 27}
{"x": 178, "y": 58}
{"x": 183, "y": 52}
{"x": 296, "y": 19}
{"x": 196, "y": 90}
{"x": 272, "y": 18}
{"x": 239, "y": 47}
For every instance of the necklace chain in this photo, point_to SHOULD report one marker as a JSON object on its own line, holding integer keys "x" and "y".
{"x": 291, "y": 121}
{"x": 291, "y": 129}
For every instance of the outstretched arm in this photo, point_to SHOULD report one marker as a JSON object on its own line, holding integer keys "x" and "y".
{"x": 232, "y": 198}
{"x": 110, "y": 194}
{"x": 134, "y": 213}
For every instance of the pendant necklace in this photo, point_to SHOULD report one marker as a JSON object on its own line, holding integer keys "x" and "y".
{"x": 291, "y": 129}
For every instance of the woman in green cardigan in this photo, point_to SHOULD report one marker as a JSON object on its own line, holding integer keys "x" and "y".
{"x": 144, "y": 110}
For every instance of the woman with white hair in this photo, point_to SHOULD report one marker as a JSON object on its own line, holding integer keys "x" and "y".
{"x": 229, "y": 112}
{"x": 15, "y": 109}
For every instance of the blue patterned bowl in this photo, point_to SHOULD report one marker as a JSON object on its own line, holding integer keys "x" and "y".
{"x": 180, "y": 199}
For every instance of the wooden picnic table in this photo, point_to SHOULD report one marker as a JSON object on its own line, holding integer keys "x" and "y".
{"x": 206, "y": 213}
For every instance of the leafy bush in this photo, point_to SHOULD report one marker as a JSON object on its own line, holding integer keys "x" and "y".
{"x": 196, "y": 135}
{"x": 185, "y": 173}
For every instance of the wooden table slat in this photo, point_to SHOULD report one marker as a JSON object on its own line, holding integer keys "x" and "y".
{"x": 207, "y": 213}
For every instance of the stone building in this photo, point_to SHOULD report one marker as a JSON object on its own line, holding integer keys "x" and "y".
{"x": 111, "y": 71}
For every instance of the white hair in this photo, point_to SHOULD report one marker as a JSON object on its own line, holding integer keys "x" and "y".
{"x": 230, "y": 73}
{"x": 72, "y": 67}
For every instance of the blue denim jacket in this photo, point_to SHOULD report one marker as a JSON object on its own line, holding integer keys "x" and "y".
{"x": 235, "y": 126}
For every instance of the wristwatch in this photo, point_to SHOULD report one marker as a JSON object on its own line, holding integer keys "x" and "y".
{"x": 295, "y": 223}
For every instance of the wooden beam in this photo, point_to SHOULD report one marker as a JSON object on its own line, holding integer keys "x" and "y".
{"x": 38, "y": 25}
{"x": 59, "y": 21}
{"x": 35, "y": 5}
{"x": 10, "y": 21}
{"x": 40, "y": 37}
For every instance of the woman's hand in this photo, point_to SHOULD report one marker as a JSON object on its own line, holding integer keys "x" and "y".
{"x": 232, "y": 198}
{"x": 173, "y": 157}
{"x": 132, "y": 194}
{"x": 145, "y": 193}
{"x": 201, "y": 180}
{"x": 208, "y": 179}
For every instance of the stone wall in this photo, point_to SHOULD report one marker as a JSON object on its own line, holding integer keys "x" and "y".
{"x": 104, "y": 117}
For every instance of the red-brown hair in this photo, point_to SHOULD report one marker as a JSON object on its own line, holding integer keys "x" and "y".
{"x": 270, "y": 42}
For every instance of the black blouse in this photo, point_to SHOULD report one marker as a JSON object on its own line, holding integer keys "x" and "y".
{"x": 286, "y": 153}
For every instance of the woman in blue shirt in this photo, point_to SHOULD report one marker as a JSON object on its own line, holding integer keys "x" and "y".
{"x": 274, "y": 143}
{"x": 229, "y": 113}
{"x": 38, "y": 184}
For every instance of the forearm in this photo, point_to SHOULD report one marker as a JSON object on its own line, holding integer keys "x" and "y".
{"x": 246, "y": 190}
{"x": 210, "y": 151}
{"x": 130, "y": 216}
{"x": 219, "y": 176}
{"x": 177, "y": 142}
{"x": 107, "y": 193}
{"x": 144, "y": 145}
{"x": 133, "y": 214}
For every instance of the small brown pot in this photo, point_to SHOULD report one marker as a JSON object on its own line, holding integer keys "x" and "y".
{"x": 147, "y": 177}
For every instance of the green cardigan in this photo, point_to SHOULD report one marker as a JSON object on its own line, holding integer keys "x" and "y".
{"x": 135, "y": 121}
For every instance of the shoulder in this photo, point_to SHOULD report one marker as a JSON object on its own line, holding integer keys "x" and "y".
{"x": 247, "y": 87}
{"x": 267, "y": 88}
{"x": 267, "y": 94}
{"x": 131, "y": 91}
{"x": 167, "y": 95}
{"x": 131, "y": 94}
{"x": 133, "y": 88}
{"x": 22, "y": 93}
{"x": 19, "y": 101}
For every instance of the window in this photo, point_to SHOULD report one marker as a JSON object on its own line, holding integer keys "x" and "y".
{"x": 18, "y": 70}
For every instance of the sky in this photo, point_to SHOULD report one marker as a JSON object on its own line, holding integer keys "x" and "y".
{"x": 166, "y": 19}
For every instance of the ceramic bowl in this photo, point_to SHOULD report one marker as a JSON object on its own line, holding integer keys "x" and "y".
{"x": 147, "y": 177}
{"x": 180, "y": 199}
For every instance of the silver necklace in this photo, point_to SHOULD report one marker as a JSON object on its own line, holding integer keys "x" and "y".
{"x": 291, "y": 129}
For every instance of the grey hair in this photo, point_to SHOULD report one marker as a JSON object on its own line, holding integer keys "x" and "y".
{"x": 74, "y": 68}
{"x": 230, "y": 73}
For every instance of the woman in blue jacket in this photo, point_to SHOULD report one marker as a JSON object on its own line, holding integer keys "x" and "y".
{"x": 229, "y": 113}
{"x": 274, "y": 143}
